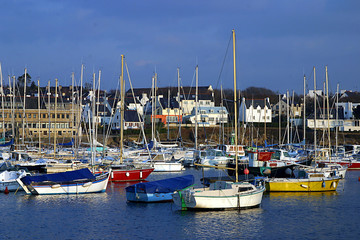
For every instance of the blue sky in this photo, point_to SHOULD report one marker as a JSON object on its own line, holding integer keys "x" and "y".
{"x": 277, "y": 41}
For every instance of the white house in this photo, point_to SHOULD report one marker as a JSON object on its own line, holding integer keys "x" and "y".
{"x": 347, "y": 108}
{"x": 208, "y": 116}
{"x": 255, "y": 110}
{"x": 138, "y": 103}
{"x": 132, "y": 120}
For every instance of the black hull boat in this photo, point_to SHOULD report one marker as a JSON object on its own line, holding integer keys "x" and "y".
{"x": 280, "y": 172}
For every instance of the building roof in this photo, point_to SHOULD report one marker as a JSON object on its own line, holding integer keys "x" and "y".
{"x": 256, "y": 102}
{"x": 131, "y": 116}
{"x": 173, "y": 103}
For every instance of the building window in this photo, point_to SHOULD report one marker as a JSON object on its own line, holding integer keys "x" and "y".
{"x": 29, "y": 115}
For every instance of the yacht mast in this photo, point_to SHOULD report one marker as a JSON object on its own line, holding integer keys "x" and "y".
{"x": 196, "y": 106}
{"x": 304, "y": 117}
{"x": 39, "y": 115}
{"x": 72, "y": 107}
{"x": 2, "y": 103}
{"x": 264, "y": 120}
{"x": 337, "y": 119}
{"x": 155, "y": 107}
{"x": 122, "y": 95}
{"x": 12, "y": 102}
{"x": 323, "y": 114}
{"x": 24, "y": 113}
{"x": 287, "y": 118}
{"x": 328, "y": 110}
{"x": 235, "y": 111}
{"x": 280, "y": 103}
{"x": 314, "y": 114}
{"x": 80, "y": 109}
{"x": 92, "y": 124}
{"x": 221, "y": 127}
{"x": 168, "y": 113}
{"x": 49, "y": 111}
{"x": 152, "y": 109}
{"x": 55, "y": 119}
{"x": 180, "y": 103}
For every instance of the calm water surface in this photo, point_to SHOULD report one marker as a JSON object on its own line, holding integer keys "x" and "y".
{"x": 108, "y": 216}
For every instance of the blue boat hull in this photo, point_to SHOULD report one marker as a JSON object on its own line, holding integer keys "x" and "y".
{"x": 148, "y": 197}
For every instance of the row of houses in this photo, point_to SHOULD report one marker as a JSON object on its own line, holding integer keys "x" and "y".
{"x": 142, "y": 107}
{"x": 63, "y": 115}
{"x": 340, "y": 116}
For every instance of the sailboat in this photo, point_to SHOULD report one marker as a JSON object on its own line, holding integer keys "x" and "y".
{"x": 126, "y": 172}
{"x": 223, "y": 194}
{"x": 71, "y": 182}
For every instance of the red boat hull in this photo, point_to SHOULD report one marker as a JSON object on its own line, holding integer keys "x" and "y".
{"x": 126, "y": 175}
{"x": 351, "y": 165}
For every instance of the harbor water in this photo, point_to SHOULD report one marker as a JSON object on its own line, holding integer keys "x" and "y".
{"x": 331, "y": 215}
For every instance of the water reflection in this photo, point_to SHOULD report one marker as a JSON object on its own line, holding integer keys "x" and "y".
{"x": 81, "y": 200}
{"x": 228, "y": 224}
{"x": 298, "y": 195}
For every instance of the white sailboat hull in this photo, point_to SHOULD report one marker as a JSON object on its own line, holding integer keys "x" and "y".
{"x": 96, "y": 186}
{"x": 218, "y": 199}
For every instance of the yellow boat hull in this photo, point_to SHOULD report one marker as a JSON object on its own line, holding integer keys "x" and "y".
{"x": 301, "y": 185}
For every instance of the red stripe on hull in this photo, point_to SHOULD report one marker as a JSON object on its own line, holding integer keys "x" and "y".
{"x": 354, "y": 166}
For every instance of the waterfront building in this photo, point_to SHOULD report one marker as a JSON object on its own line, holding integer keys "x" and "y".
{"x": 32, "y": 120}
